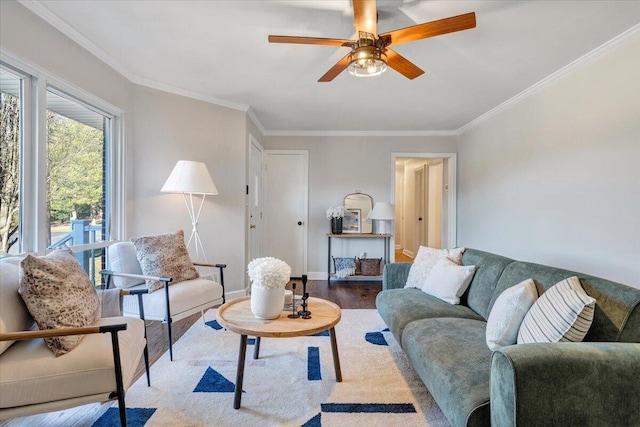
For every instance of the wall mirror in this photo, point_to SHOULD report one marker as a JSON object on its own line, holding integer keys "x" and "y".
{"x": 358, "y": 205}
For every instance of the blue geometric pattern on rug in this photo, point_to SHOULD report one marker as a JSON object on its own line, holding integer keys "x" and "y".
{"x": 213, "y": 382}
{"x": 314, "y": 422}
{"x": 388, "y": 408}
{"x": 321, "y": 334}
{"x": 213, "y": 324}
{"x": 136, "y": 417}
{"x": 313, "y": 364}
{"x": 375, "y": 338}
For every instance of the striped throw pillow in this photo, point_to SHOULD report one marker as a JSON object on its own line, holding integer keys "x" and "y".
{"x": 563, "y": 313}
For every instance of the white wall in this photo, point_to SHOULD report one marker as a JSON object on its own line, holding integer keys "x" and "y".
{"x": 168, "y": 128}
{"x": 341, "y": 165}
{"x": 555, "y": 179}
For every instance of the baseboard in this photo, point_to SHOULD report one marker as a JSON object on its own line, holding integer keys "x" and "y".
{"x": 409, "y": 253}
{"x": 236, "y": 294}
{"x": 317, "y": 275}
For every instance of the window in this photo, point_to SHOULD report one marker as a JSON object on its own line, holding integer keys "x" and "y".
{"x": 77, "y": 140}
{"x": 61, "y": 180}
{"x": 10, "y": 150}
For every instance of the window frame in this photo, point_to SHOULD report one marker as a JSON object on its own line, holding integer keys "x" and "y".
{"x": 33, "y": 155}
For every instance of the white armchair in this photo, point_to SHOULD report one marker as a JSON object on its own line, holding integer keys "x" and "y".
{"x": 33, "y": 380}
{"x": 170, "y": 304}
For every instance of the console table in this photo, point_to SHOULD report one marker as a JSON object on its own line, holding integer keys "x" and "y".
{"x": 386, "y": 240}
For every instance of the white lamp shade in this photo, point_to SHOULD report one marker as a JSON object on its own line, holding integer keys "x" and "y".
{"x": 190, "y": 177}
{"x": 383, "y": 211}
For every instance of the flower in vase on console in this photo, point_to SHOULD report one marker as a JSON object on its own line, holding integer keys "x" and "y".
{"x": 337, "y": 212}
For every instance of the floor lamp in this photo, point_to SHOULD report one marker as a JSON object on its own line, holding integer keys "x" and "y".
{"x": 191, "y": 178}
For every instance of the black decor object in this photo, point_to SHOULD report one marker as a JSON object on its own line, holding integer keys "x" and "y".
{"x": 304, "y": 313}
{"x": 336, "y": 225}
{"x": 293, "y": 314}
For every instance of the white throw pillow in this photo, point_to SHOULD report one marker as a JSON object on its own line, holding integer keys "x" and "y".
{"x": 448, "y": 280}
{"x": 508, "y": 312}
{"x": 562, "y": 313}
{"x": 424, "y": 262}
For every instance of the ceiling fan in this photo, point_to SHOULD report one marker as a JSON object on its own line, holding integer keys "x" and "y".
{"x": 370, "y": 54}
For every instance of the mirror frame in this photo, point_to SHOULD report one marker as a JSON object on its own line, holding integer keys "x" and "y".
{"x": 350, "y": 203}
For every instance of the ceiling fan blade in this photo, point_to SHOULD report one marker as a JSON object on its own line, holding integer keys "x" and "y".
{"x": 310, "y": 40}
{"x": 365, "y": 16}
{"x": 336, "y": 69}
{"x": 402, "y": 65}
{"x": 430, "y": 29}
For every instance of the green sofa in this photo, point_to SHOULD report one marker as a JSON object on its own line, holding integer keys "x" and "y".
{"x": 593, "y": 383}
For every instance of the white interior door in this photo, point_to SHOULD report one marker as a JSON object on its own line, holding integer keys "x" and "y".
{"x": 286, "y": 207}
{"x": 256, "y": 229}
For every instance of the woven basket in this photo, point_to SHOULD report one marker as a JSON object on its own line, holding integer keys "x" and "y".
{"x": 370, "y": 266}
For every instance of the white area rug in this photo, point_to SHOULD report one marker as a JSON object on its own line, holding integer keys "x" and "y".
{"x": 282, "y": 387}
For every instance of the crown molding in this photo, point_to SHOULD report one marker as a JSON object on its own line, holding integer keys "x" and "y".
{"x": 189, "y": 94}
{"x": 360, "y": 133}
{"x": 256, "y": 121}
{"x": 584, "y": 60}
{"x": 43, "y": 12}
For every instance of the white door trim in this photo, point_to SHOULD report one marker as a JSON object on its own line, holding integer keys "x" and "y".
{"x": 452, "y": 189}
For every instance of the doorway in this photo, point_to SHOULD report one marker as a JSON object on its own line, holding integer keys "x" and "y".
{"x": 424, "y": 196}
{"x": 254, "y": 192}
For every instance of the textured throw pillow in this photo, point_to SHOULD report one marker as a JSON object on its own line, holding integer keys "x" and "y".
{"x": 508, "y": 313}
{"x": 59, "y": 294}
{"x": 344, "y": 267}
{"x": 562, "y": 313}
{"x": 164, "y": 255}
{"x": 448, "y": 280}
{"x": 424, "y": 262}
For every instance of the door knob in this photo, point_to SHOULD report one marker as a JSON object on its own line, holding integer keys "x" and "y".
{"x": 252, "y": 226}
{"x": 299, "y": 222}
{"x": 420, "y": 219}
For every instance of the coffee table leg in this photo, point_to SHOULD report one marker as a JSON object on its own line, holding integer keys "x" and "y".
{"x": 256, "y": 348}
{"x": 336, "y": 358}
{"x": 240, "y": 372}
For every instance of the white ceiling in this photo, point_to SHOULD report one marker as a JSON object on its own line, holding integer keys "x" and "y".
{"x": 218, "y": 51}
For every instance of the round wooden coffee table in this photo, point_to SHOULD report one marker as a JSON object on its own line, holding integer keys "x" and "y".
{"x": 237, "y": 317}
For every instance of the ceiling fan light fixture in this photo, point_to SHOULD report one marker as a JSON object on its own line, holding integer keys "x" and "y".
{"x": 367, "y": 61}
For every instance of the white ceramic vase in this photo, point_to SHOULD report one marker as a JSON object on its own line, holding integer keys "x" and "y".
{"x": 266, "y": 303}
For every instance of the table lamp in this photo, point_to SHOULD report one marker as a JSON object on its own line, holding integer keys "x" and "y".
{"x": 382, "y": 216}
{"x": 191, "y": 178}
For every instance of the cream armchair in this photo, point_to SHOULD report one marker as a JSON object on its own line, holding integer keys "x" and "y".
{"x": 170, "y": 304}
{"x": 33, "y": 380}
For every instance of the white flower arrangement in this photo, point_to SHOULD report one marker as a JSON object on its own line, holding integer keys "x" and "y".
{"x": 269, "y": 272}
{"x": 337, "y": 212}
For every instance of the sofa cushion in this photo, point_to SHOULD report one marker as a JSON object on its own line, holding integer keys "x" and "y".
{"x": 186, "y": 297}
{"x": 508, "y": 313}
{"x": 122, "y": 259}
{"x": 31, "y": 374}
{"x": 617, "y": 312}
{"x": 489, "y": 268}
{"x": 424, "y": 262}
{"x": 59, "y": 294}
{"x": 14, "y": 315}
{"x": 400, "y": 307}
{"x": 451, "y": 357}
{"x": 563, "y": 313}
{"x": 164, "y": 255}
{"x": 448, "y": 280}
